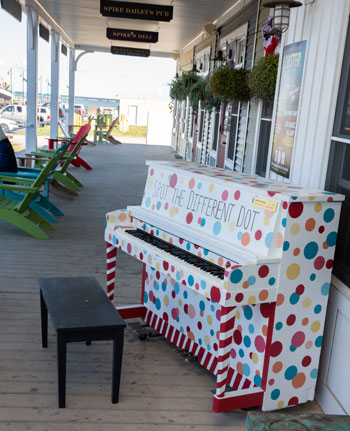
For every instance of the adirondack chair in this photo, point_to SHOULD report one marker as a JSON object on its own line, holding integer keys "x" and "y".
{"x": 19, "y": 213}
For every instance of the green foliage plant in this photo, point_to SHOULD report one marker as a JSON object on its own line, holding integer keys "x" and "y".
{"x": 180, "y": 87}
{"x": 263, "y": 76}
{"x": 230, "y": 85}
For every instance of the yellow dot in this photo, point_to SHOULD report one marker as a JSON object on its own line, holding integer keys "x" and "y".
{"x": 211, "y": 187}
{"x": 207, "y": 339}
{"x": 157, "y": 266}
{"x": 211, "y": 260}
{"x": 294, "y": 229}
{"x": 312, "y": 198}
{"x": 266, "y": 221}
{"x": 238, "y": 314}
{"x": 180, "y": 302}
{"x": 112, "y": 218}
{"x": 293, "y": 271}
{"x": 135, "y": 249}
{"x": 318, "y": 207}
{"x": 307, "y": 302}
{"x": 231, "y": 226}
{"x": 123, "y": 243}
{"x": 182, "y": 180}
{"x": 225, "y": 285}
{"x": 164, "y": 235}
{"x": 255, "y": 358}
{"x": 209, "y": 319}
{"x": 280, "y": 404}
{"x": 162, "y": 175}
{"x": 316, "y": 325}
{"x": 172, "y": 212}
{"x": 150, "y": 181}
{"x": 251, "y": 300}
{"x": 206, "y": 294}
{"x": 166, "y": 300}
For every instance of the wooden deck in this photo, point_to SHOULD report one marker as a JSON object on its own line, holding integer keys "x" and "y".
{"x": 159, "y": 390}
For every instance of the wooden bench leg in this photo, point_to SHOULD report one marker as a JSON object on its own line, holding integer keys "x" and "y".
{"x": 118, "y": 343}
{"x": 61, "y": 362}
{"x": 43, "y": 309}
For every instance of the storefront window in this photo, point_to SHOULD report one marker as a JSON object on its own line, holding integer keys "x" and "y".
{"x": 264, "y": 138}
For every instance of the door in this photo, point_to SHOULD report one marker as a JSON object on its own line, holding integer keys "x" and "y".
{"x": 132, "y": 115}
{"x": 224, "y": 114}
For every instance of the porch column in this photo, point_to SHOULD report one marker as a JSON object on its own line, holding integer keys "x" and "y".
{"x": 71, "y": 90}
{"x": 55, "y": 78}
{"x": 32, "y": 76}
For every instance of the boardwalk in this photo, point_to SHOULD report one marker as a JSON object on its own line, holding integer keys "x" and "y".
{"x": 159, "y": 390}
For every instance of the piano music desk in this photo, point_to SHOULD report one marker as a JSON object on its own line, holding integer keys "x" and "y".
{"x": 237, "y": 271}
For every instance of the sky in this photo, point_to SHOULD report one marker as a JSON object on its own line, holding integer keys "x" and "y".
{"x": 98, "y": 75}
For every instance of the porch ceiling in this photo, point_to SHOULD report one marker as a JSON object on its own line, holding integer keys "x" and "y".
{"x": 86, "y": 27}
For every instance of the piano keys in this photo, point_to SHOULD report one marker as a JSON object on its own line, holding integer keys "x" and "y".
{"x": 236, "y": 271}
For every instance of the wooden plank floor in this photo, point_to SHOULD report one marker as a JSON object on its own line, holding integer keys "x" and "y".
{"x": 159, "y": 390}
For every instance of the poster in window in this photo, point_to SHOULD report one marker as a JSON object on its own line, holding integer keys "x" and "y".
{"x": 287, "y": 107}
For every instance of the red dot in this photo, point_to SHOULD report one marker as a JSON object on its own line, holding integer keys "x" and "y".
{"x": 237, "y": 336}
{"x": 165, "y": 265}
{"x": 173, "y": 180}
{"x": 199, "y": 324}
{"x": 215, "y": 294}
{"x": 258, "y": 235}
{"x": 158, "y": 275}
{"x": 285, "y": 205}
{"x": 237, "y": 195}
{"x": 329, "y": 264}
{"x": 300, "y": 290}
{"x": 263, "y": 271}
{"x": 319, "y": 262}
{"x": 141, "y": 256}
{"x": 165, "y": 316}
{"x": 186, "y": 308}
{"x": 321, "y": 229}
{"x": 181, "y": 240}
{"x": 298, "y": 339}
{"x": 291, "y": 320}
{"x": 293, "y": 401}
{"x": 265, "y": 309}
{"x": 128, "y": 247}
{"x": 276, "y": 349}
{"x": 306, "y": 361}
{"x": 173, "y": 294}
{"x": 296, "y": 209}
{"x": 271, "y": 193}
{"x": 189, "y": 218}
{"x": 239, "y": 297}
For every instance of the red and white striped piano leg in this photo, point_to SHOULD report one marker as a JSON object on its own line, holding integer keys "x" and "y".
{"x": 111, "y": 260}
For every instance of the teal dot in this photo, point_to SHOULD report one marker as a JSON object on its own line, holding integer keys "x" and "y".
{"x": 212, "y": 307}
{"x": 212, "y": 332}
{"x": 208, "y": 347}
{"x": 310, "y": 250}
{"x": 312, "y": 277}
{"x": 236, "y": 276}
{"x": 188, "y": 246}
{"x": 292, "y": 348}
{"x": 241, "y": 353}
{"x": 203, "y": 284}
{"x": 275, "y": 394}
{"x": 114, "y": 240}
{"x": 284, "y": 222}
{"x": 190, "y": 280}
{"x": 185, "y": 294}
{"x": 239, "y": 235}
{"x": 279, "y": 325}
{"x": 145, "y": 297}
{"x": 156, "y": 285}
{"x": 317, "y": 309}
{"x": 199, "y": 186}
{"x": 176, "y": 288}
{"x": 158, "y": 304}
{"x": 182, "y": 329}
{"x": 157, "y": 232}
{"x": 291, "y": 372}
{"x": 331, "y": 239}
{"x": 246, "y": 340}
{"x": 272, "y": 281}
{"x": 217, "y": 228}
{"x": 200, "y": 341}
{"x": 318, "y": 341}
{"x": 328, "y": 215}
{"x": 313, "y": 373}
{"x": 257, "y": 380}
{"x": 148, "y": 202}
{"x": 246, "y": 369}
{"x": 248, "y": 312}
{"x": 203, "y": 222}
{"x": 268, "y": 239}
{"x": 205, "y": 251}
{"x": 285, "y": 245}
{"x": 325, "y": 289}
{"x": 294, "y": 298}
{"x": 178, "y": 275}
{"x": 158, "y": 205}
{"x": 163, "y": 286}
{"x": 251, "y": 280}
{"x": 202, "y": 305}
{"x": 251, "y": 329}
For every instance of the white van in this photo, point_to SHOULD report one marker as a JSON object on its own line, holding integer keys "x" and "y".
{"x": 16, "y": 113}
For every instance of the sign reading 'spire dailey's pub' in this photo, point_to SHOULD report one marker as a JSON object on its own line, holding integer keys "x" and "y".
{"x": 132, "y": 35}
{"x": 121, "y": 9}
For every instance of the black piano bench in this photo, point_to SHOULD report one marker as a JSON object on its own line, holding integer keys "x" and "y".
{"x": 80, "y": 311}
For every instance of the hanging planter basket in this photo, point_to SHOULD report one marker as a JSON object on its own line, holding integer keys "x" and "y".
{"x": 180, "y": 87}
{"x": 230, "y": 85}
{"x": 196, "y": 93}
{"x": 263, "y": 76}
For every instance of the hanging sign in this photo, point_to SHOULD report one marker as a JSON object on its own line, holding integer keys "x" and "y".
{"x": 122, "y": 9}
{"x": 132, "y": 35}
{"x": 136, "y": 52}
{"x": 287, "y": 107}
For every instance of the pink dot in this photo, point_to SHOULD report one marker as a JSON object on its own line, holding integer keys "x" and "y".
{"x": 260, "y": 344}
{"x": 166, "y": 206}
{"x": 128, "y": 247}
{"x": 298, "y": 339}
{"x": 191, "y": 311}
{"x": 319, "y": 262}
{"x": 237, "y": 195}
{"x": 224, "y": 195}
{"x": 199, "y": 220}
{"x": 189, "y": 218}
{"x": 258, "y": 235}
{"x": 233, "y": 353}
{"x": 191, "y": 183}
{"x": 271, "y": 382}
{"x": 151, "y": 172}
{"x": 173, "y": 180}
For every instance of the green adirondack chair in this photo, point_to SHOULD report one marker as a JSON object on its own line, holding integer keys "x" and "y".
{"x": 19, "y": 213}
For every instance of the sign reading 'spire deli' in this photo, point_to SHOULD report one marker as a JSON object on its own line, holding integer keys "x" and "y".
{"x": 136, "y": 52}
{"x": 132, "y": 35}
{"x": 122, "y": 9}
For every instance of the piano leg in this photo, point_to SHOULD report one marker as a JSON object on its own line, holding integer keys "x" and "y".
{"x": 111, "y": 260}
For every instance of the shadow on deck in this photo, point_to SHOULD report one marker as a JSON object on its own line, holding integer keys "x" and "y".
{"x": 159, "y": 390}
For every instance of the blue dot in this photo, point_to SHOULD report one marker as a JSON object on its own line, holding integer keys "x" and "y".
{"x": 275, "y": 394}
{"x": 114, "y": 240}
{"x": 157, "y": 232}
{"x": 199, "y": 186}
{"x": 203, "y": 284}
{"x": 182, "y": 329}
{"x": 328, "y": 215}
{"x": 246, "y": 369}
{"x": 176, "y": 288}
{"x": 203, "y": 222}
{"x": 257, "y": 380}
{"x": 248, "y": 312}
{"x": 325, "y": 289}
{"x": 185, "y": 294}
{"x": 212, "y": 332}
{"x": 156, "y": 285}
{"x": 239, "y": 235}
{"x": 272, "y": 281}
{"x": 284, "y": 222}
{"x": 205, "y": 251}
{"x": 318, "y": 341}
{"x": 291, "y": 372}
{"x": 268, "y": 239}
{"x": 163, "y": 286}
{"x": 294, "y": 298}
{"x": 285, "y": 245}
{"x": 317, "y": 309}
{"x": 178, "y": 275}
{"x": 332, "y": 239}
{"x": 246, "y": 341}
{"x": 202, "y": 305}
{"x": 188, "y": 246}
{"x": 200, "y": 341}
{"x": 212, "y": 307}
{"x": 236, "y": 276}
{"x": 279, "y": 325}
{"x": 148, "y": 202}
{"x": 251, "y": 280}
{"x": 190, "y": 280}
{"x": 313, "y": 373}
{"x": 158, "y": 304}
{"x": 292, "y": 348}
{"x": 312, "y": 277}
{"x": 145, "y": 297}
{"x": 241, "y": 353}
{"x": 310, "y": 250}
{"x": 251, "y": 329}
{"x": 158, "y": 205}
{"x": 217, "y": 228}
{"x": 208, "y": 347}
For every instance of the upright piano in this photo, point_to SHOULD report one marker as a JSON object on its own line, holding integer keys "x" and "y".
{"x": 236, "y": 271}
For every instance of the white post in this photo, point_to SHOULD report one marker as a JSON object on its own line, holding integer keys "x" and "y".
{"x": 32, "y": 72}
{"x": 71, "y": 90}
{"x": 55, "y": 71}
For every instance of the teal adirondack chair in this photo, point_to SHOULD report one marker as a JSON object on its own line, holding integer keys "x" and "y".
{"x": 19, "y": 213}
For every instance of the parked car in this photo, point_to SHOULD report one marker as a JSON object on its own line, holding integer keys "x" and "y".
{"x": 16, "y": 113}
{"x": 60, "y": 108}
{"x": 7, "y": 125}
{"x": 80, "y": 109}
{"x": 43, "y": 114}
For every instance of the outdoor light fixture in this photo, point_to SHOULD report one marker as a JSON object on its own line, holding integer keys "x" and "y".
{"x": 194, "y": 68}
{"x": 220, "y": 56}
{"x": 281, "y": 14}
